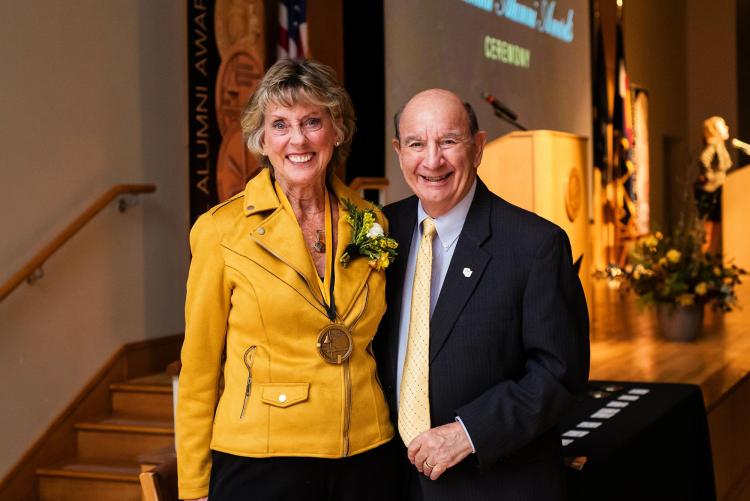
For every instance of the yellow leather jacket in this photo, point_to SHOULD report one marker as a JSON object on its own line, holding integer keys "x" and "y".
{"x": 253, "y": 295}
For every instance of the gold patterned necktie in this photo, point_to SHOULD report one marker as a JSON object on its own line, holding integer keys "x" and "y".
{"x": 414, "y": 400}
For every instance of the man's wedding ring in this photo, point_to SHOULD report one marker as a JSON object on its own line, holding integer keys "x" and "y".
{"x": 427, "y": 464}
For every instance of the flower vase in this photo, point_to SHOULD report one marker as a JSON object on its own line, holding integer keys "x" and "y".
{"x": 679, "y": 323}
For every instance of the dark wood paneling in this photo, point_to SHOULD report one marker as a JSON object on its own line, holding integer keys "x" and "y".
{"x": 364, "y": 78}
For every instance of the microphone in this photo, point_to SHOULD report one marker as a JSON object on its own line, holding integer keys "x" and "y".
{"x": 741, "y": 145}
{"x": 498, "y": 106}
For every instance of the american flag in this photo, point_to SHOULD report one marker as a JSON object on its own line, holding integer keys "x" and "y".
{"x": 623, "y": 168}
{"x": 293, "y": 29}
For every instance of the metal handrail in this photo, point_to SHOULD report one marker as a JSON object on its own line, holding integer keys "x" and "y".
{"x": 31, "y": 271}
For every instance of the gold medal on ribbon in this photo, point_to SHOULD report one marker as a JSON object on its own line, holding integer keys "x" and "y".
{"x": 335, "y": 343}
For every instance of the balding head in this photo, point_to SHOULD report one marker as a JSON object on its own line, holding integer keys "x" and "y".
{"x": 448, "y": 96}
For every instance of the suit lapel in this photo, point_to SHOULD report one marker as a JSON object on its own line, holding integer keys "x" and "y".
{"x": 402, "y": 229}
{"x": 350, "y": 280}
{"x": 468, "y": 259}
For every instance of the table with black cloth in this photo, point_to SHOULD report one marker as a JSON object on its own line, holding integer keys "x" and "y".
{"x": 656, "y": 447}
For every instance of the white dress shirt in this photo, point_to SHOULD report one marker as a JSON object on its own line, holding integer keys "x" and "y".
{"x": 449, "y": 227}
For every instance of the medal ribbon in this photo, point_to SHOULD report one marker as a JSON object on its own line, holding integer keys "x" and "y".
{"x": 331, "y": 305}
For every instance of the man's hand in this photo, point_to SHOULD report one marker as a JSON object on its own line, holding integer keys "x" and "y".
{"x": 438, "y": 449}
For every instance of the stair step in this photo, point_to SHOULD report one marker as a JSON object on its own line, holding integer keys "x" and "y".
{"x": 126, "y": 423}
{"x": 94, "y": 468}
{"x": 147, "y": 396}
{"x": 155, "y": 383}
{"x": 90, "y": 479}
{"x": 157, "y": 405}
{"x": 153, "y": 459}
{"x": 122, "y": 436}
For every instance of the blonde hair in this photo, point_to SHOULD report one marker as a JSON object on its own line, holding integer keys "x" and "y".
{"x": 714, "y": 147}
{"x": 289, "y": 82}
{"x": 711, "y": 133}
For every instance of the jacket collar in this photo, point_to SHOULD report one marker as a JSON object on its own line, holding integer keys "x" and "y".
{"x": 279, "y": 234}
{"x": 260, "y": 195}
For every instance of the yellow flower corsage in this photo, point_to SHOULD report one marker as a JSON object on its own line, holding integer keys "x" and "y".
{"x": 368, "y": 238}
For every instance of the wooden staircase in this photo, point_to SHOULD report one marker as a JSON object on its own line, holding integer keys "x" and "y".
{"x": 113, "y": 449}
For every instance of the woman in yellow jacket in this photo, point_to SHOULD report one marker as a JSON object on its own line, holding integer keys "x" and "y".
{"x": 282, "y": 310}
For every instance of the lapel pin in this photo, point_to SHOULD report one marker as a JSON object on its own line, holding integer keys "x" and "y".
{"x": 467, "y": 272}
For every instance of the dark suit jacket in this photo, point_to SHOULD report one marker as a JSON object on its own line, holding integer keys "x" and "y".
{"x": 509, "y": 348}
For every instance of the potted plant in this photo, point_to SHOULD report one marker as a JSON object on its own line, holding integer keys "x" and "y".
{"x": 676, "y": 276}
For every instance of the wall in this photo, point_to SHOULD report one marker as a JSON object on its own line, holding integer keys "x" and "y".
{"x": 684, "y": 53}
{"x": 742, "y": 30}
{"x": 655, "y": 56}
{"x": 711, "y": 70}
{"x": 93, "y": 94}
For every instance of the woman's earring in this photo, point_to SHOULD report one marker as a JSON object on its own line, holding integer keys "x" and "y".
{"x": 338, "y": 143}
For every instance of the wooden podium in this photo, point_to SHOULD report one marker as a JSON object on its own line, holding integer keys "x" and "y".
{"x": 735, "y": 207}
{"x": 544, "y": 171}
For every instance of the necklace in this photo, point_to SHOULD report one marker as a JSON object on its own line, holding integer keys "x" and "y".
{"x": 320, "y": 243}
{"x": 335, "y": 343}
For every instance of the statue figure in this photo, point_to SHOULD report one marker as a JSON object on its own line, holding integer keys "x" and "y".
{"x": 714, "y": 164}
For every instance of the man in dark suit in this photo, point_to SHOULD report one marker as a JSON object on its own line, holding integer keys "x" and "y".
{"x": 485, "y": 342}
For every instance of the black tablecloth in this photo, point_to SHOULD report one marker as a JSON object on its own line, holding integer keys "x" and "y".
{"x": 657, "y": 447}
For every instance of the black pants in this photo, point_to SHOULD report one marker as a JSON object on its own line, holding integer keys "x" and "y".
{"x": 370, "y": 476}
{"x": 708, "y": 203}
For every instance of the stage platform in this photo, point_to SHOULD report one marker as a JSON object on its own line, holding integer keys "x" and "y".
{"x": 626, "y": 346}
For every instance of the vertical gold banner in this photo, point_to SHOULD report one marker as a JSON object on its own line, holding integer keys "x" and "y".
{"x": 240, "y": 39}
